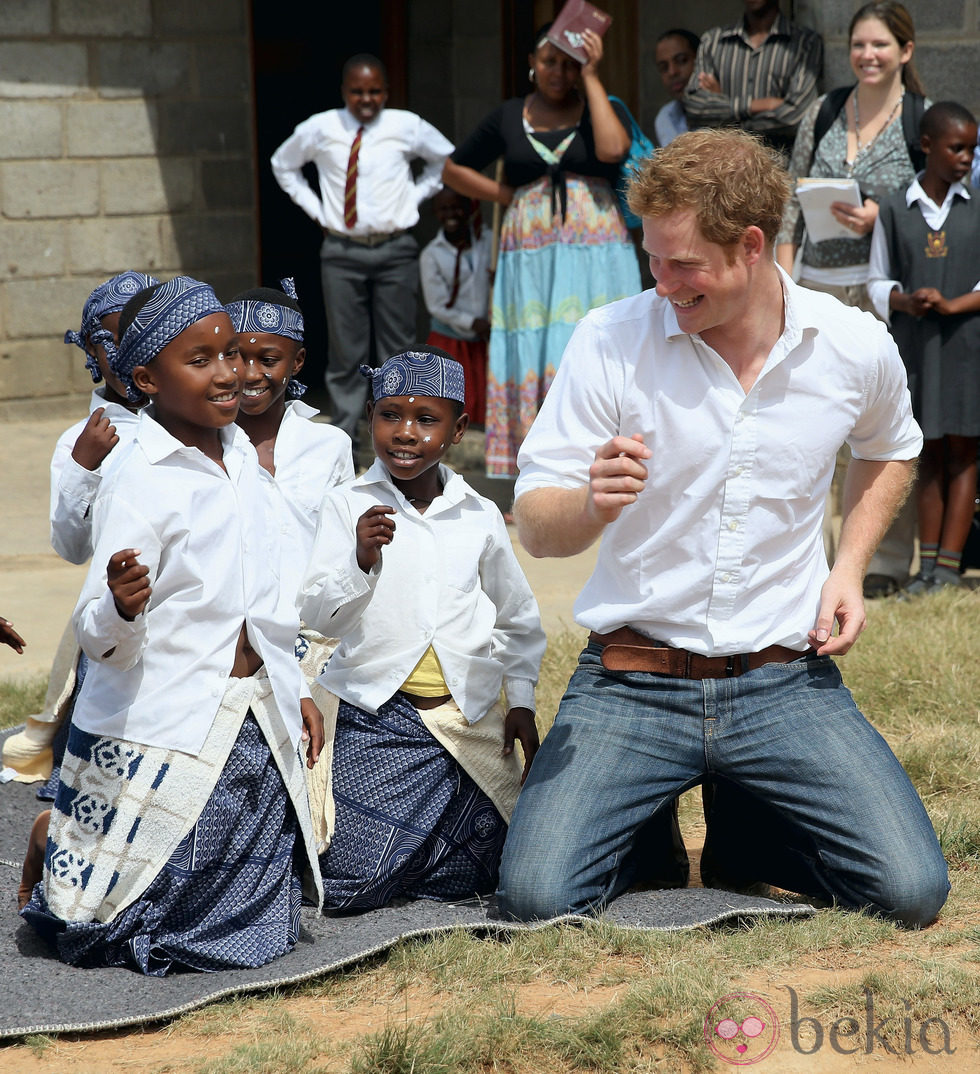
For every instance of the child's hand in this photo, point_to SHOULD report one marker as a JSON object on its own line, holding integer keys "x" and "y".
{"x": 128, "y": 582}
{"x": 915, "y": 305}
{"x": 519, "y": 723}
{"x": 374, "y": 530}
{"x": 312, "y": 730}
{"x": 932, "y": 300}
{"x": 9, "y": 636}
{"x": 95, "y": 441}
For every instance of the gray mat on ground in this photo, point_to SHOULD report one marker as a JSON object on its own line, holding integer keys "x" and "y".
{"x": 42, "y": 995}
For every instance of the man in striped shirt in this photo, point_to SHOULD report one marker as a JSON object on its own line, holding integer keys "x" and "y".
{"x": 759, "y": 74}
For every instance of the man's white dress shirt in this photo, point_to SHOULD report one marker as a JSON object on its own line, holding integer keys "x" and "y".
{"x": 73, "y": 488}
{"x": 211, "y": 542}
{"x": 880, "y": 285}
{"x": 387, "y": 195}
{"x": 723, "y": 551}
{"x": 448, "y": 579}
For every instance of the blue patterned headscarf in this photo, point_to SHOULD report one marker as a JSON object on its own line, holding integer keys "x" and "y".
{"x": 250, "y": 313}
{"x": 108, "y": 297}
{"x": 173, "y": 306}
{"x": 424, "y": 371}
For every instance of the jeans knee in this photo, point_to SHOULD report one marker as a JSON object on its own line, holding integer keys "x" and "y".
{"x": 537, "y": 893}
{"x": 915, "y": 901}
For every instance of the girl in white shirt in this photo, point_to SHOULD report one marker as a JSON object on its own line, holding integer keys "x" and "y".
{"x": 416, "y": 574}
{"x": 83, "y": 455}
{"x": 181, "y": 824}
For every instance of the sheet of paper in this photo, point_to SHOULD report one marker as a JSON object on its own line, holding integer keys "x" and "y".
{"x": 816, "y": 197}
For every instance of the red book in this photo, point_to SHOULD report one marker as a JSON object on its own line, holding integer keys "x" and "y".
{"x": 573, "y": 20}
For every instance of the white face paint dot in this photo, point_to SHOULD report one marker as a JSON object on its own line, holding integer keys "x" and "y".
{"x": 408, "y": 423}
{"x": 253, "y": 340}
{"x": 221, "y": 357}
{"x": 426, "y": 439}
{"x": 217, "y": 329}
{"x": 411, "y": 398}
{"x": 234, "y": 369}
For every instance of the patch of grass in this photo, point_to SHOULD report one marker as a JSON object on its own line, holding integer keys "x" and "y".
{"x": 39, "y": 1043}
{"x": 265, "y": 1057}
{"x": 20, "y": 699}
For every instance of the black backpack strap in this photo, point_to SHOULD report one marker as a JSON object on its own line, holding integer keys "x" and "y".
{"x": 913, "y": 109}
{"x": 831, "y": 105}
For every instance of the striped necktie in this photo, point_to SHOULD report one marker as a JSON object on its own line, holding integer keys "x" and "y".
{"x": 350, "y": 186}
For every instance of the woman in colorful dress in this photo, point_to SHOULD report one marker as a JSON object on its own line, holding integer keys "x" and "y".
{"x": 564, "y": 248}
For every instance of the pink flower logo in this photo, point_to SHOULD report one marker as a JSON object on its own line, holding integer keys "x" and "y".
{"x": 741, "y": 1029}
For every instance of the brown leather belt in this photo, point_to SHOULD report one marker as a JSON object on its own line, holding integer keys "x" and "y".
{"x": 626, "y": 650}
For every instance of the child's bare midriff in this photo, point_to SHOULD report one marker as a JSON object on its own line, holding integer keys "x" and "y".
{"x": 247, "y": 661}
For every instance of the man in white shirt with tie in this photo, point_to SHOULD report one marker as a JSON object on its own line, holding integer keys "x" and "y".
{"x": 694, "y": 428}
{"x": 367, "y": 203}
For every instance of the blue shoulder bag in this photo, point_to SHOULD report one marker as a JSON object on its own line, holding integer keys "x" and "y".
{"x": 640, "y": 148}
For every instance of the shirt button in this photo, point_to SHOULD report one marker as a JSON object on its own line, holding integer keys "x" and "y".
{"x": 733, "y": 525}
{"x": 726, "y": 577}
{"x": 738, "y": 471}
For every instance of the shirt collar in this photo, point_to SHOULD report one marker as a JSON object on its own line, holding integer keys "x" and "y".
{"x": 297, "y": 408}
{"x": 782, "y": 27}
{"x": 915, "y": 193}
{"x": 158, "y": 444}
{"x": 454, "y": 488}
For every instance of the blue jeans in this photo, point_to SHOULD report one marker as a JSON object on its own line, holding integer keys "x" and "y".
{"x": 624, "y": 744}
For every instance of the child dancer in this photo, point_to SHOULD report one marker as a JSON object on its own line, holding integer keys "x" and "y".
{"x": 924, "y": 273}
{"x": 180, "y": 832}
{"x": 416, "y": 574}
{"x": 455, "y": 272}
{"x": 83, "y": 455}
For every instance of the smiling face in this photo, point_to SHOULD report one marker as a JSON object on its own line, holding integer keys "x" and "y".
{"x": 411, "y": 433}
{"x": 364, "y": 92}
{"x": 555, "y": 72}
{"x": 452, "y": 211}
{"x": 268, "y": 363}
{"x": 675, "y": 62}
{"x": 949, "y": 154}
{"x": 876, "y": 56}
{"x": 706, "y": 284}
{"x": 196, "y": 380}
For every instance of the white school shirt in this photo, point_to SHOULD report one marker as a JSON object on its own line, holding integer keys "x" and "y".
{"x": 387, "y": 196}
{"x": 437, "y": 265}
{"x": 880, "y": 286}
{"x": 211, "y": 542}
{"x": 723, "y": 550}
{"x": 73, "y": 488}
{"x": 670, "y": 122}
{"x": 448, "y": 579}
{"x": 310, "y": 458}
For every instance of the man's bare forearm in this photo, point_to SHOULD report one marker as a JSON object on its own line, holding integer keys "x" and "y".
{"x": 873, "y": 494}
{"x": 553, "y": 522}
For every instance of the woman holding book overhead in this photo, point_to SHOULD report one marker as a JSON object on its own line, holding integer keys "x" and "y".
{"x": 868, "y": 132}
{"x": 564, "y": 247}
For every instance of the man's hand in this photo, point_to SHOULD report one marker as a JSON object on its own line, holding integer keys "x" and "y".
{"x": 617, "y": 477}
{"x": 9, "y": 636}
{"x": 129, "y": 583}
{"x": 519, "y": 724}
{"x": 375, "y": 529}
{"x": 312, "y": 730}
{"x": 841, "y": 599}
{"x": 709, "y": 82}
{"x": 765, "y": 104}
{"x": 95, "y": 441}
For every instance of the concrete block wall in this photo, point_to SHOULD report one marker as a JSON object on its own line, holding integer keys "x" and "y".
{"x": 126, "y": 143}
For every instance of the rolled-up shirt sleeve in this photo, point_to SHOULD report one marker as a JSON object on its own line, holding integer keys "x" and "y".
{"x": 288, "y": 160}
{"x": 886, "y": 429}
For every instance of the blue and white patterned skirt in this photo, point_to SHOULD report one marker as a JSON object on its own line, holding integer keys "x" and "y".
{"x": 228, "y": 896}
{"x": 409, "y": 821}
